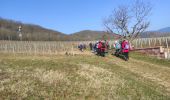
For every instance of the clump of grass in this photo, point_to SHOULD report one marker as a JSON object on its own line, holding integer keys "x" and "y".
{"x": 49, "y": 76}
{"x": 98, "y": 76}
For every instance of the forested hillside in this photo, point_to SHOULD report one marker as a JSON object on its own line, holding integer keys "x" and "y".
{"x": 9, "y": 31}
{"x": 30, "y": 32}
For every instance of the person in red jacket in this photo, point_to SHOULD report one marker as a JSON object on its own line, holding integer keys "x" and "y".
{"x": 125, "y": 49}
{"x": 101, "y": 49}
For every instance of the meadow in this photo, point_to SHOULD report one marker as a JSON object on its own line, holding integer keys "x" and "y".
{"x": 83, "y": 77}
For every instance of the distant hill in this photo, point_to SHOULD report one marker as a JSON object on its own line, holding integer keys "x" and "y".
{"x": 157, "y": 33}
{"x": 93, "y": 35}
{"x": 164, "y": 30}
{"x": 30, "y": 32}
{"x": 9, "y": 28}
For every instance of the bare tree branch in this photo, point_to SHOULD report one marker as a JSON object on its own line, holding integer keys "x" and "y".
{"x": 129, "y": 21}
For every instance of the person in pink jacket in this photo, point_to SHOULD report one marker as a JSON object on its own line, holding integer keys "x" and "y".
{"x": 125, "y": 49}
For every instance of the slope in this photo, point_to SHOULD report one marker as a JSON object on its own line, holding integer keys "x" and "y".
{"x": 9, "y": 31}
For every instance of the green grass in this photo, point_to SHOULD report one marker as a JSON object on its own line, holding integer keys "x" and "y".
{"x": 146, "y": 58}
{"x": 76, "y": 78}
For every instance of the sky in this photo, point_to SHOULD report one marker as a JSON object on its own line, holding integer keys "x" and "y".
{"x": 69, "y": 16}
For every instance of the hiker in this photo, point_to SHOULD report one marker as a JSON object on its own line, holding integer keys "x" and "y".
{"x": 106, "y": 46}
{"x": 95, "y": 47}
{"x": 99, "y": 46}
{"x": 103, "y": 49}
{"x": 91, "y": 46}
{"x": 125, "y": 49}
{"x": 80, "y": 46}
{"x": 100, "y": 49}
{"x": 117, "y": 46}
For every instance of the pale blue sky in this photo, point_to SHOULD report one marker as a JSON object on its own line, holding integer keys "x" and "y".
{"x": 69, "y": 16}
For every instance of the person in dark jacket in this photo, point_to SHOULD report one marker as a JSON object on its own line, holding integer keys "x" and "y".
{"x": 80, "y": 47}
{"x": 91, "y": 46}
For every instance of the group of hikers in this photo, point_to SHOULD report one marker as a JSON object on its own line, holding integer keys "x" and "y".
{"x": 101, "y": 48}
{"x": 122, "y": 49}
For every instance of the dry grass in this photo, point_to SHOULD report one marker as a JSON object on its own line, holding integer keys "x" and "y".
{"x": 158, "y": 74}
{"x": 49, "y": 76}
{"x": 97, "y": 76}
{"x": 81, "y": 77}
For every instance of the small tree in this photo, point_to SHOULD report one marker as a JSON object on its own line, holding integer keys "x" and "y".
{"x": 129, "y": 21}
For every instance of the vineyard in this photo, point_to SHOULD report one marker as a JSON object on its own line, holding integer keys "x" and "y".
{"x": 37, "y": 47}
{"x": 151, "y": 42}
{"x": 46, "y": 47}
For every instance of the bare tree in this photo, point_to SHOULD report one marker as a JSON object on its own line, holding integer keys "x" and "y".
{"x": 129, "y": 21}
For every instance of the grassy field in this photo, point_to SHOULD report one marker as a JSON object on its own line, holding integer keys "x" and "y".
{"x": 84, "y": 77}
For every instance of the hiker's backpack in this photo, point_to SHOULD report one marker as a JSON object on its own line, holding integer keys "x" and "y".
{"x": 96, "y": 45}
{"x": 127, "y": 46}
{"x": 103, "y": 45}
{"x": 117, "y": 46}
